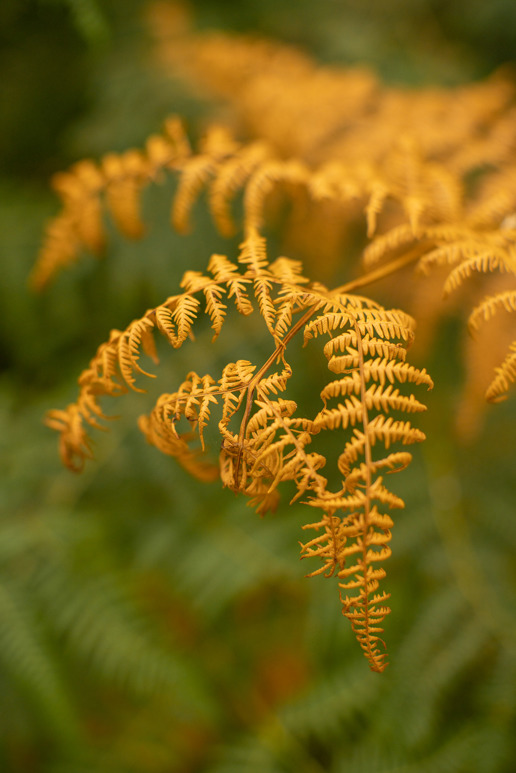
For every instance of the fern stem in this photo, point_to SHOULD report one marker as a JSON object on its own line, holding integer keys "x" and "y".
{"x": 370, "y": 654}
{"x": 380, "y": 273}
{"x": 354, "y": 284}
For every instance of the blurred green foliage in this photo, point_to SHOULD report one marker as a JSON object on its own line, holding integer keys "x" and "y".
{"x": 148, "y": 625}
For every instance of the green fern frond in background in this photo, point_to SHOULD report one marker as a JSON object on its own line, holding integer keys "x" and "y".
{"x": 88, "y": 17}
{"x": 151, "y": 626}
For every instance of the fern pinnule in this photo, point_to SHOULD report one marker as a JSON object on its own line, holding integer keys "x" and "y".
{"x": 74, "y": 442}
{"x": 79, "y": 190}
{"x": 505, "y": 375}
{"x": 125, "y": 176}
{"x": 232, "y": 176}
{"x": 263, "y": 181}
{"x": 490, "y": 306}
{"x": 227, "y": 273}
{"x": 159, "y": 429}
{"x": 483, "y": 262}
{"x": 195, "y": 173}
{"x": 396, "y": 237}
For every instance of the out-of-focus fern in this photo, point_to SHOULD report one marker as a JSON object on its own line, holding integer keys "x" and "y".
{"x": 281, "y": 688}
{"x": 88, "y": 18}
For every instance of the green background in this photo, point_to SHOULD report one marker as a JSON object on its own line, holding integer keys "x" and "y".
{"x": 147, "y": 624}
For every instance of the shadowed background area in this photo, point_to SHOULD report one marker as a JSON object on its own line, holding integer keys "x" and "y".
{"x": 148, "y": 624}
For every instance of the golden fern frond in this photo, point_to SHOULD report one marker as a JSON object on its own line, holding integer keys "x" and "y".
{"x": 195, "y": 281}
{"x": 389, "y": 245}
{"x": 137, "y": 334}
{"x": 253, "y": 253}
{"x": 276, "y": 382}
{"x": 483, "y": 262}
{"x": 196, "y": 171}
{"x": 337, "y": 313}
{"x": 236, "y": 376}
{"x": 490, "y": 306}
{"x": 328, "y": 546}
{"x": 395, "y": 177}
{"x": 426, "y": 191}
{"x": 227, "y": 273}
{"x": 470, "y": 251}
{"x": 162, "y": 434}
{"x": 112, "y": 371}
{"x": 232, "y": 176}
{"x": 126, "y": 175}
{"x": 79, "y": 189}
{"x": 495, "y": 202}
{"x": 119, "y": 179}
{"x": 505, "y": 376}
{"x": 263, "y": 181}
{"x": 183, "y": 315}
{"x": 74, "y": 443}
{"x": 354, "y": 528}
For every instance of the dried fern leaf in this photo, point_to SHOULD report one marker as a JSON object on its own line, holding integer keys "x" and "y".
{"x": 227, "y": 273}
{"x": 231, "y": 177}
{"x": 505, "y": 376}
{"x": 482, "y": 263}
{"x": 196, "y": 172}
{"x": 490, "y": 306}
{"x": 126, "y": 176}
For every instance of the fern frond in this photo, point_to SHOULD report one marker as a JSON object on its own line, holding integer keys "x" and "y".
{"x": 74, "y": 443}
{"x": 215, "y": 309}
{"x": 126, "y": 175}
{"x": 121, "y": 179}
{"x": 165, "y": 321}
{"x": 354, "y": 527}
{"x": 329, "y": 545}
{"x": 234, "y": 380}
{"x": 253, "y": 253}
{"x": 231, "y": 177}
{"x": 263, "y": 181}
{"x": 159, "y": 429}
{"x": 490, "y": 306}
{"x": 276, "y": 382}
{"x": 481, "y": 263}
{"x": 79, "y": 190}
{"x": 398, "y": 236}
{"x": 505, "y": 376}
{"x": 195, "y": 172}
{"x": 356, "y": 162}
{"x": 184, "y": 313}
{"x": 128, "y": 349}
{"x": 227, "y": 273}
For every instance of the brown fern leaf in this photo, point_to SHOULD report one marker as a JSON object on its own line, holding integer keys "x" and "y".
{"x": 79, "y": 190}
{"x": 161, "y": 433}
{"x": 227, "y": 273}
{"x": 196, "y": 172}
{"x": 505, "y": 376}
{"x": 254, "y": 255}
{"x": 232, "y": 176}
{"x": 361, "y": 535}
{"x": 490, "y": 306}
{"x": 60, "y": 249}
{"x": 121, "y": 179}
{"x": 384, "y": 176}
{"x": 127, "y": 175}
{"x": 74, "y": 443}
{"x": 269, "y": 175}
